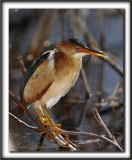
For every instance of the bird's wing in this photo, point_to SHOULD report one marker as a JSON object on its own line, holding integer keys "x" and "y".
{"x": 38, "y": 78}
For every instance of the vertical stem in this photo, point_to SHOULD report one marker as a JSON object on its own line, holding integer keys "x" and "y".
{"x": 23, "y": 69}
{"x": 85, "y": 81}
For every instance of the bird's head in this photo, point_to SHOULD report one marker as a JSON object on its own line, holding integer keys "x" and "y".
{"x": 74, "y": 47}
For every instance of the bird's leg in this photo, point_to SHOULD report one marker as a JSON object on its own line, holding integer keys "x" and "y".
{"x": 53, "y": 125}
{"x": 44, "y": 120}
{"x": 48, "y": 121}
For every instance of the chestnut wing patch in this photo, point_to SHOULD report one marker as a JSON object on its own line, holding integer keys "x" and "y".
{"x": 38, "y": 78}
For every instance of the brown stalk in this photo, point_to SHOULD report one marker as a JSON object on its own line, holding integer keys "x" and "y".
{"x": 20, "y": 60}
{"x": 76, "y": 93}
{"x": 85, "y": 82}
{"x": 112, "y": 98}
{"x": 82, "y": 114}
{"x": 100, "y": 121}
{"x": 115, "y": 92}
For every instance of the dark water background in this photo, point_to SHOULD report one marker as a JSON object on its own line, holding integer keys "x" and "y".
{"x": 101, "y": 24}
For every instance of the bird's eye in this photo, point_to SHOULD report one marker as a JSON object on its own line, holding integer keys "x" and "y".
{"x": 76, "y": 47}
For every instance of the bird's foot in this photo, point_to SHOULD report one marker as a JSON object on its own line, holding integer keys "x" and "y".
{"x": 67, "y": 139}
{"x": 55, "y": 128}
{"x": 55, "y": 131}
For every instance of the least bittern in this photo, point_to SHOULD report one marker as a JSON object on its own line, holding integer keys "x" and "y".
{"x": 51, "y": 75}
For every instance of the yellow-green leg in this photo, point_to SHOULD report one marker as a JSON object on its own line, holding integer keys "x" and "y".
{"x": 48, "y": 121}
{"x": 53, "y": 125}
{"x": 44, "y": 120}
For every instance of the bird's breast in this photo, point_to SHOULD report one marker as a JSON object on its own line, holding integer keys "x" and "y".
{"x": 67, "y": 72}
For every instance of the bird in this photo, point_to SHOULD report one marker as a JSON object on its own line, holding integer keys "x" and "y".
{"x": 51, "y": 75}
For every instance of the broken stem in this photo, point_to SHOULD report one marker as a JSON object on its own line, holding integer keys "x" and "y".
{"x": 23, "y": 69}
{"x": 100, "y": 121}
{"x": 85, "y": 82}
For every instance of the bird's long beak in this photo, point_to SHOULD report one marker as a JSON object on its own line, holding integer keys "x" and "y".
{"x": 91, "y": 51}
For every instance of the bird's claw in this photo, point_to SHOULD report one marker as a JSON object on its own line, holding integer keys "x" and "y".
{"x": 55, "y": 128}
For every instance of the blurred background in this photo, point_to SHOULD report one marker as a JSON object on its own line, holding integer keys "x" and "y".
{"x": 32, "y": 30}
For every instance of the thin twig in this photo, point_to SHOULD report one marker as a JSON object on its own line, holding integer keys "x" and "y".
{"x": 100, "y": 121}
{"x": 74, "y": 101}
{"x": 82, "y": 115}
{"x": 76, "y": 93}
{"x": 102, "y": 137}
{"x": 23, "y": 69}
{"x": 115, "y": 91}
{"x": 29, "y": 126}
{"x": 104, "y": 104}
{"x": 90, "y": 141}
{"x": 111, "y": 99}
{"x": 102, "y": 27}
{"x": 85, "y": 82}
{"x": 99, "y": 94}
{"x": 113, "y": 64}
